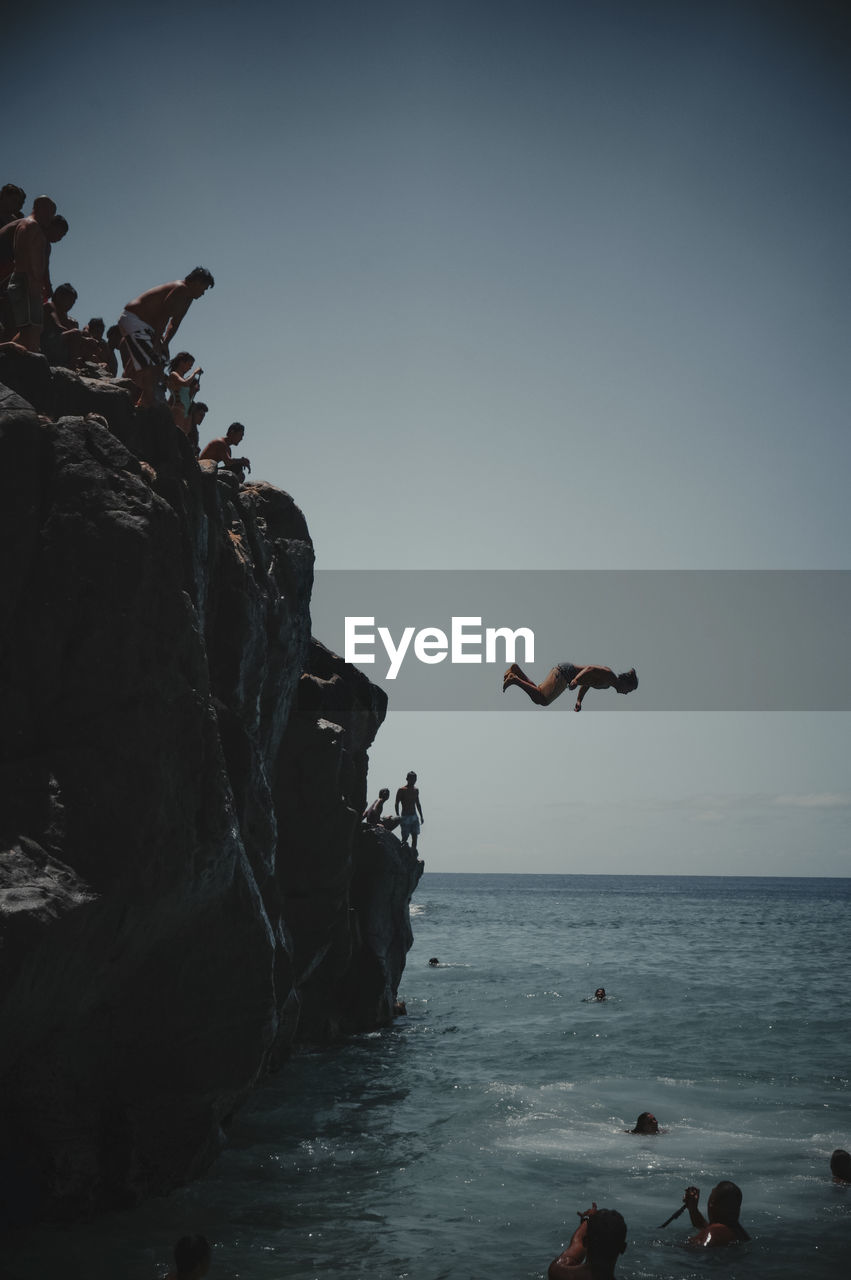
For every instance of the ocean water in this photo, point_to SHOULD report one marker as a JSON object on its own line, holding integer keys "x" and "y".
{"x": 459, "y": 1144}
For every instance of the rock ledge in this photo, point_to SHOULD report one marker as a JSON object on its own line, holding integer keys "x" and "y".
{"x": 185, "y": 887}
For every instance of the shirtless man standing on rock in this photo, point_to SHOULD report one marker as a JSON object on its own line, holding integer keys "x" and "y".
{"x": 568, "y": 676}
{"x": 408, "y": 799}
{"x": 29, "y": 277}
{"x": 148, "y": 324}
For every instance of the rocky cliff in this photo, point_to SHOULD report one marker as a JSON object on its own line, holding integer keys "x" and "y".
{"x": 185, "y": 889}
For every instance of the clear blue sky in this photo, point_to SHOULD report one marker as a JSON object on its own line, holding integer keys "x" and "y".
{"x": 548, "y": 284}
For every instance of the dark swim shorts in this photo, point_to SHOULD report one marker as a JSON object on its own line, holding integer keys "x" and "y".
{"x": 25, "y": 301}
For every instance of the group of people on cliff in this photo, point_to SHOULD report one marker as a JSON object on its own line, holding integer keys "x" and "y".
{"x": 35, "y": 317}
{"x": 409, "y": 812}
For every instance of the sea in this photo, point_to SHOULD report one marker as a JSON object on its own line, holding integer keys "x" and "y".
{"x": 461, "y": 1143}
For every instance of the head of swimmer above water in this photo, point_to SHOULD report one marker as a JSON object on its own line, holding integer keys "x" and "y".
{"x": 724, "y": 1204}
{"x": 646, "y": 1123}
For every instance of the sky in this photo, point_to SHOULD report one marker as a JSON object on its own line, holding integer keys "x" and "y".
{"x": 546, "y": 284}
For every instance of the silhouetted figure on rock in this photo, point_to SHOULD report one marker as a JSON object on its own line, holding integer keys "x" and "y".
{"x": 183, "y": 386}
{"x": 221, "y": 450}
{"x": 408, "y": 800}
{"x": 29, "y": 278}
{"x": 149, "y": 323}
{"x": 12, "y": 201}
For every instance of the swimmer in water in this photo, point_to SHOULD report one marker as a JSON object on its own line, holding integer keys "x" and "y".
{"x": 840, "y": 1165}
{"x": 646, "y": 1123}
{"x": 434, "y": 962}
{"x": 723, "y": 1208}
{"x": 594, "y": 1248}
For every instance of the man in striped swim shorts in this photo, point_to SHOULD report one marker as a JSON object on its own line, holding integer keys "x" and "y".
{"x": 147, "y": 326}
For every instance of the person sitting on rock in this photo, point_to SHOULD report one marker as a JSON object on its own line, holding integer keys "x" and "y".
{"x": 594, "y": 1248}
{"x": 183, "y": 386}
{"x": 96, "y": 348}
{"x": 568, "y": 676}
{"x": 149, "y": 323}
{"x": 372, "y": 816}
{"x": 192, "y": 1258}
{"x": 61, "y": 339}
{"x": 220, "y": 450}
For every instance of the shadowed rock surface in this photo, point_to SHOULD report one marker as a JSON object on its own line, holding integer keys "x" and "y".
{"x": 185, "y": 888}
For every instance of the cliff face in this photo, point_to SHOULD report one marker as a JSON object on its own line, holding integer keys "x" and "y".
{"x": 184, "y": 885}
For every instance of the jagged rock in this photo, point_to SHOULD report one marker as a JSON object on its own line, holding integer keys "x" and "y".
{"x": 184, "y": 885}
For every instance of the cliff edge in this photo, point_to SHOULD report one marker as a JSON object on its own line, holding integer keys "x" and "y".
{"x": 185, "y": 887}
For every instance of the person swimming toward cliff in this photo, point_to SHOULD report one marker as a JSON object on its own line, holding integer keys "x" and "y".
{"x": 568, "y": 676}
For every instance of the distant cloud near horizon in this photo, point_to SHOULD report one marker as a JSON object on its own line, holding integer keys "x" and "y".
{"x": 714, "y": 806}
{"x": 829, "y": 800}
